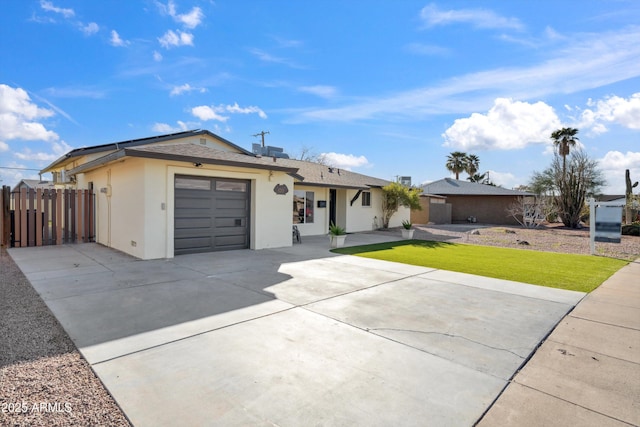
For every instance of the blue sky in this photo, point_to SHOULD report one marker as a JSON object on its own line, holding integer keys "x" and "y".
{"x": 384, "y": 88}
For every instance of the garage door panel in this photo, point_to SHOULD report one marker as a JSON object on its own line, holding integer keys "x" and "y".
{"x": 231, "y": 203}
{"x": 193, "y": 203}
{"x": 230, "y": 213}
{"x": 236, "y": 242}
{"x": 231, "y": 231}
{"x": 193, "y": 243}
{"x": 193, "y": 222}
{"x": 230, "y": 222}
{"x": 191, "y": 233}
{"x": 206, "y": 219}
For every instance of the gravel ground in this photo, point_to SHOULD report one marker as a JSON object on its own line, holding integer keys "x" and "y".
{"x": 551, "y": 237}
{"x": 44, "y": 381}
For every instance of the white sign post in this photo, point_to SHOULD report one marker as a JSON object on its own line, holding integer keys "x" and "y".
{"x": 605, "y": 222}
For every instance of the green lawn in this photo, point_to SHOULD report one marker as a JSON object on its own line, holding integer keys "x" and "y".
{"x": 564, "y": 271}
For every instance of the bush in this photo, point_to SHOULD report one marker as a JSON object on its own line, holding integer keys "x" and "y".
{"x": 631, "y": 229}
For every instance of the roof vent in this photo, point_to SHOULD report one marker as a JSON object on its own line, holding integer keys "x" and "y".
{"x": 203, "y": 141}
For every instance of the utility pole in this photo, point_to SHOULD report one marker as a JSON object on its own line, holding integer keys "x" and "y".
{"x": 262, "y": 134}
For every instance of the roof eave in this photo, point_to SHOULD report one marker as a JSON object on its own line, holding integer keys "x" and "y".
{"x": 202, "y": 160}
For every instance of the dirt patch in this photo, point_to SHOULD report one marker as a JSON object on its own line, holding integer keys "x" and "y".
{"x": 44, "y": 380}
{"x": 551, "y": 238}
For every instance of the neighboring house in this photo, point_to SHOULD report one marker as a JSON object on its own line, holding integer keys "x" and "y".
{"x": 484, "y": 203}
{"x": 434, "y": 209}
{"x": 34, "y": 184}
{"x": 613, "y": 198}
{"x": 194, "y": 191}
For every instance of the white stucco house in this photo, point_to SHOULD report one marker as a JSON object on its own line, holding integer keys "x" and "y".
{"x": 195, "y": 191}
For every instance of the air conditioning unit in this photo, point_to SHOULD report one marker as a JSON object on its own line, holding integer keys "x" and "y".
{"x": 405, "y": 180}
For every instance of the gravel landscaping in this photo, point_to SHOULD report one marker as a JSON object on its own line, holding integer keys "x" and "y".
{"x": 44, "y": 381}
{"x": 550, "y": 237}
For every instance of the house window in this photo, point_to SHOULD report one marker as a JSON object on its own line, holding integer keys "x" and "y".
{"x": 303, "y": 207}
{"x": 193, "y": 184}
{"x": 231, "y": 186}
{"x": 366, "y": 198}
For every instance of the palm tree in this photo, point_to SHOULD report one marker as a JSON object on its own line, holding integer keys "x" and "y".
{"x": 472, "y": 164}
{"x": 564, "y": 139}
{"x": 456, "y": 162}
{"x": 479, "y": 178}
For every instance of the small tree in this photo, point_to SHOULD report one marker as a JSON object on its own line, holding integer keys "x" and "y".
{"x": 395, "y": 195}
{"x": 629, "y": 212}
{"x": 568, "y": 183}
{"x": 529, "y": 212}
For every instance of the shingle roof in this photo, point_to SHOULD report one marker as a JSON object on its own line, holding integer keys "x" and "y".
{"x": 325, "y": 176}
{"x": 308, "y": 173}
{"x": 451, "y": 187}
{"x": 305, "y": 172}
{"x": 136, "y": 143}
{"x": 35, "y": 184}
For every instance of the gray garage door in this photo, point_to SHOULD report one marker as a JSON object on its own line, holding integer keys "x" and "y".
{"x": 211, "y": 214}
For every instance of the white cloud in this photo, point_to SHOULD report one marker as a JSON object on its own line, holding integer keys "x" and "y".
{"x": 320, "y": 90}
{"x": 505, "y": 179}
{"x": 204, "y": 112}
{"x": 171, "y": 39}
{"x": 4, "y": 146}
{"x": 116, "y": 40}
{"x": 167, "y": 128}
{"x": 57, "y": 150}
{"x": 612, "y": 109}
{"x": 18, "y": 117}
{"x": 157, "y": 56}
{"x": 49, "y": 7}
{"x": 613, "y": 165}
{"x": 178, "y": 90}
{"x": 236, "y": 109}
{"x": 344, "y": 161}
{"x": 479, "y": 18}
{"x": 190, "y": 20}
{"x": 507, "y": 125}
{"x": 90, "y": 29}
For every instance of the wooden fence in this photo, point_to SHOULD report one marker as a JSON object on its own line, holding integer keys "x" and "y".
{"x": 46, "y": 217}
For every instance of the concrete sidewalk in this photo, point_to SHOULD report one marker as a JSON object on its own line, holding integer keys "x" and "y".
{"x": 587, "y": 372}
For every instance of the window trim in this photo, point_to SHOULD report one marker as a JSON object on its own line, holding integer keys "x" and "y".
{"x": 368, "y": 193}
{"x": 308, "y": 203}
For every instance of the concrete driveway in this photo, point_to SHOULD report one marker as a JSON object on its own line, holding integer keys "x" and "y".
{"x": 293, "y": 336}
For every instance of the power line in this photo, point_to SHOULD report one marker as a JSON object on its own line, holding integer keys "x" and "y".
{"x": 262, "y": 134}
{"x": 20, "y": 169}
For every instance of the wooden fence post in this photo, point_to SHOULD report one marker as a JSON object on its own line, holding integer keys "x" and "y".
{"x": 39, "y": 217}
{"x": 23, "y": 218}
{"x": 5, "y": 217}
{"x": 58, "y": 223}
